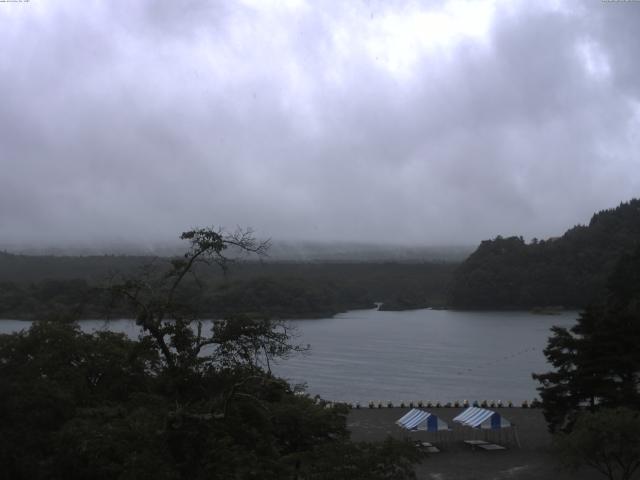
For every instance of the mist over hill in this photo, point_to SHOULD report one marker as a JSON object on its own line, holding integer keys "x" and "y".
{"x": 362, "y": 252}
{"x": 279, "y": 251}
{"x": 296, "y": 280}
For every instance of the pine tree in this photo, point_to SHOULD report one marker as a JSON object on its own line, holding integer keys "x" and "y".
{"x": 597, "y": 361}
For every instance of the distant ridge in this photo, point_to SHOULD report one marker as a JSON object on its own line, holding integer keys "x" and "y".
{"x": 348, "y": 252}
{"x": 568, "y": 271}
{"x": 280, "y": 251}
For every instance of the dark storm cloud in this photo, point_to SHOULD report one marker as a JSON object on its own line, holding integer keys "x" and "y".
{"x": 363, "y": 121}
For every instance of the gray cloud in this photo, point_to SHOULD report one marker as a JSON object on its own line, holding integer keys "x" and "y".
{"x": 350, "y": 121}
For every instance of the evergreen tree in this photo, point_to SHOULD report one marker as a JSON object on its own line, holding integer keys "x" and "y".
{"x": 569, "y": 271}
{"x": 597, "y": 361}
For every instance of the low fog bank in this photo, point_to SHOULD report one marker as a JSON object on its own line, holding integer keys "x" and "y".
{"x": 279, "y": 251}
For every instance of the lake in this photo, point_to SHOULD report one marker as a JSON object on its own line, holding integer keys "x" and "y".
{"x": 436, "y": 355}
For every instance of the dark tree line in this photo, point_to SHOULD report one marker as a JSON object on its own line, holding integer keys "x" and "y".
{"x": 597, "y": 361}
{"x": 591, "y": 398}
{"x": 569, "y": 271}
{"x": 283, "y": 290}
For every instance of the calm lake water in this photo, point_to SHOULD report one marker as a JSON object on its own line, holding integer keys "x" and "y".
{"x": 437, "y": 355}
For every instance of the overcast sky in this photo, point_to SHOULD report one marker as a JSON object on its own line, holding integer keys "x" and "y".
{"x": 385, "y": 122}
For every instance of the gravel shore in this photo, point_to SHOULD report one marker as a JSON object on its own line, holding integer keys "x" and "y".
{"x": 533, "y": 459}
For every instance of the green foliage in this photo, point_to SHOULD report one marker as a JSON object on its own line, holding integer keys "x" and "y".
{"x": 178, "y": 403}
{"x": 597, "y": 361}
{"x": 50, "y": 376}
{"x": 569, "y": 271}
{"x": 64, "y": 298}
{"x": 607, "y": 440}
{"x": 100, "y": 406}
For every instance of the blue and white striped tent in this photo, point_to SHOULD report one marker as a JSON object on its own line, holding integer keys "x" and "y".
{"x": 420, "y": 420}
{"x": 475, "y": 417}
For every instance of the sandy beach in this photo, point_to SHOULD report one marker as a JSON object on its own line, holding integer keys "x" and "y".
{"x": 457, "y": 461}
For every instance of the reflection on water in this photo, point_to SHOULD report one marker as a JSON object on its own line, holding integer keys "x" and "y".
{"x": 435, "y": 355}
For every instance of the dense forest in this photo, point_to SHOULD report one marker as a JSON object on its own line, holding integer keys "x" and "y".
{"x": 568, "y": 271}
{"x": 176, "y": 403}
{"x": 590, "y": 396}
{"x": 33, "y": 286}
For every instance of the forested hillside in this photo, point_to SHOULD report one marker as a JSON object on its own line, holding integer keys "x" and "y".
{"x": 33, "y": 286}
{"x": 569, "y": 271}
{"x": 177, "y": 402}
